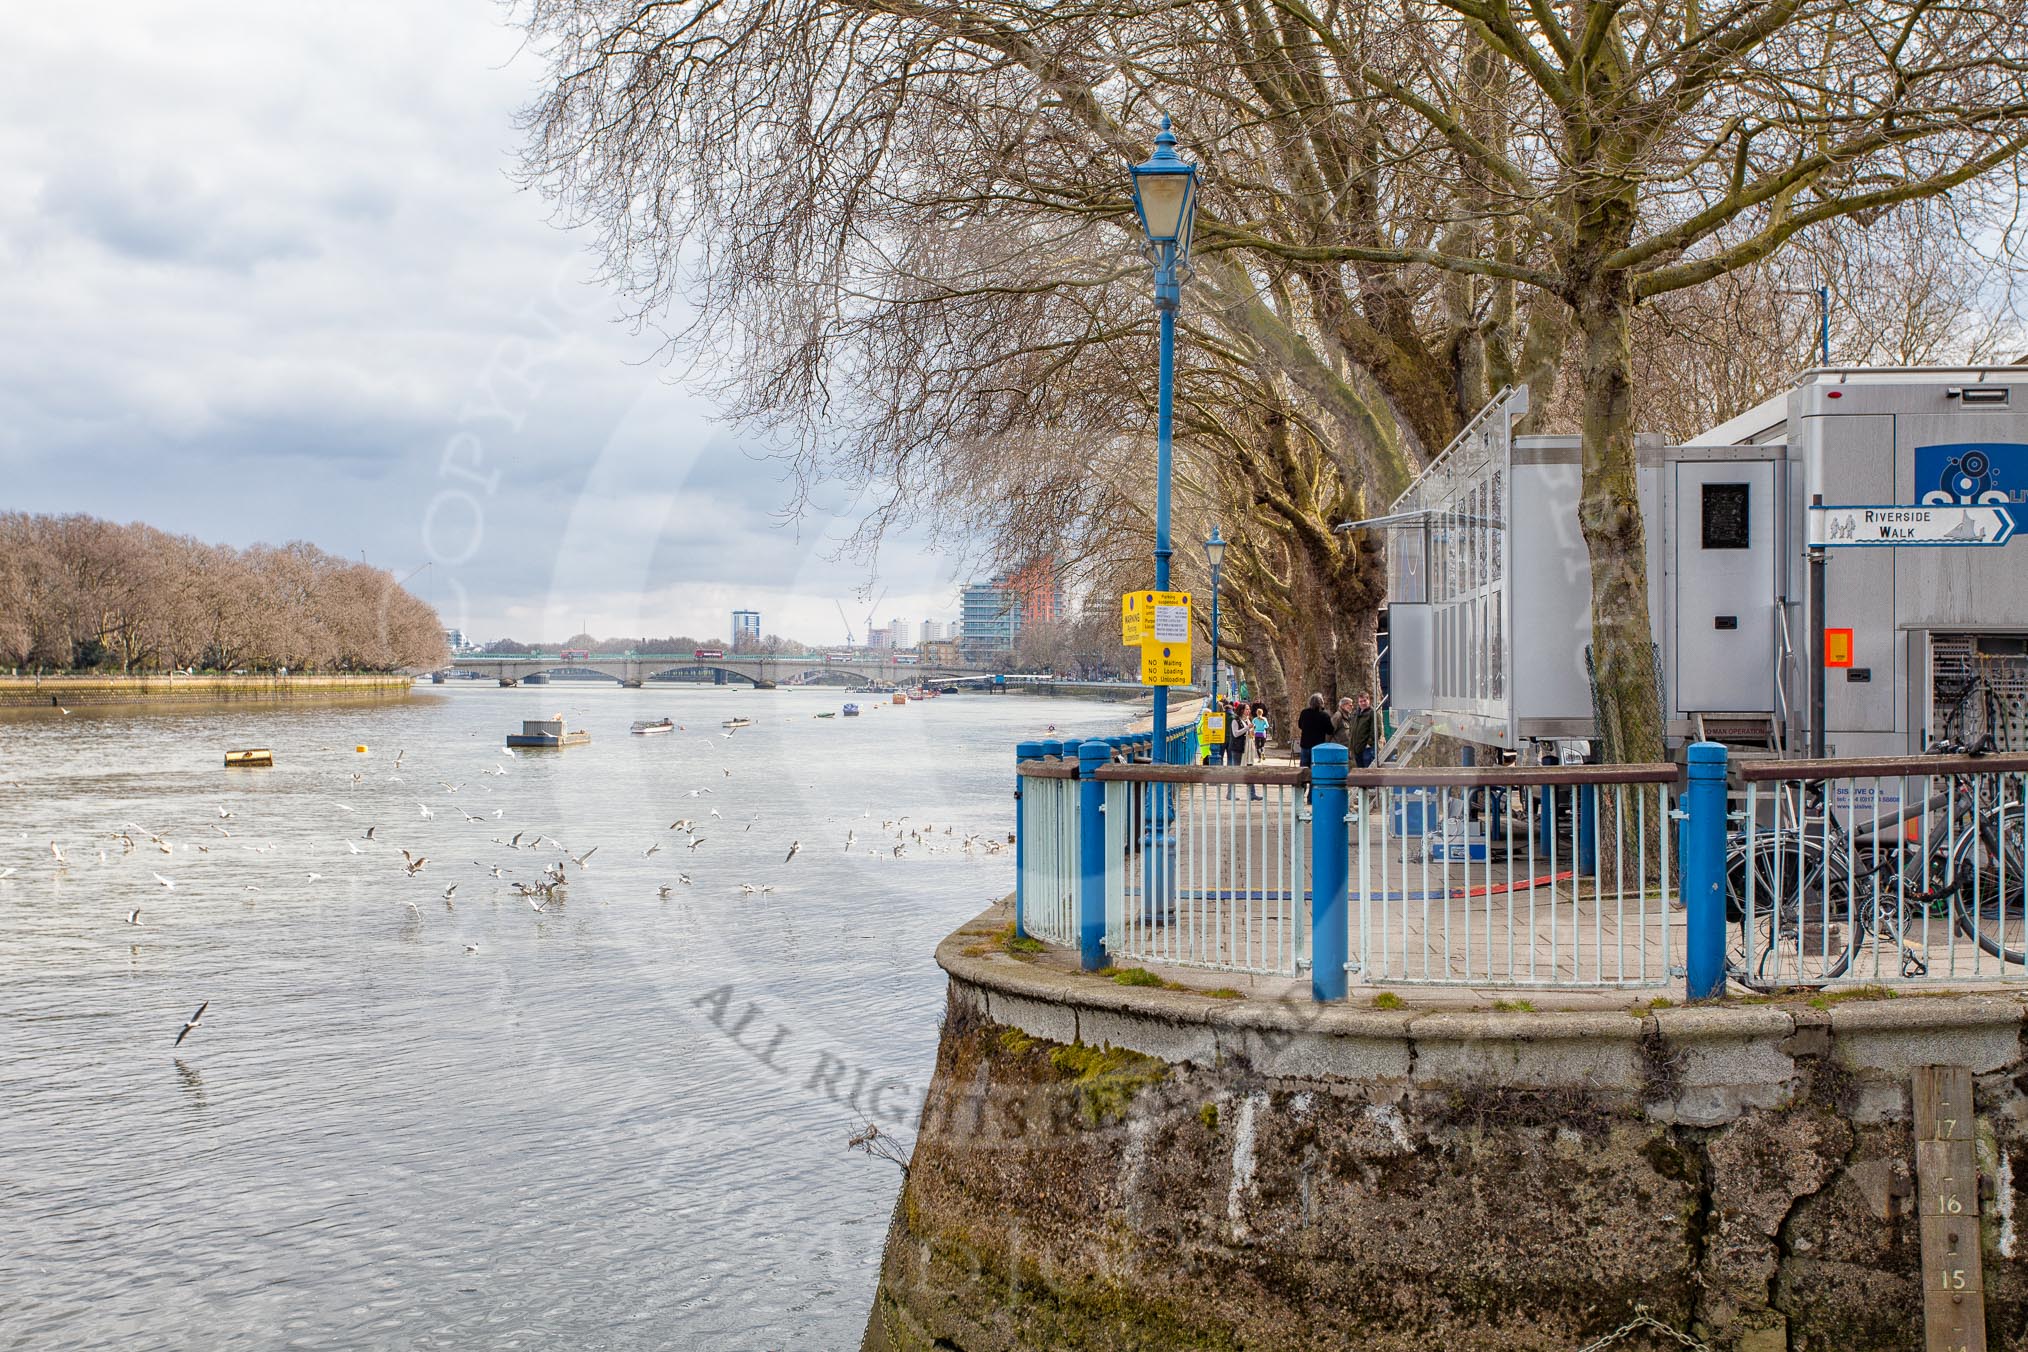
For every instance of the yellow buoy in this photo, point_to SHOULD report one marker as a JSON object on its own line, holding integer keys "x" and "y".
{"x": 360, "y": 749}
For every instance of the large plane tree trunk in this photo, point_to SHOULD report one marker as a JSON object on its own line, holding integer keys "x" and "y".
{"x": 1627, "y": 697}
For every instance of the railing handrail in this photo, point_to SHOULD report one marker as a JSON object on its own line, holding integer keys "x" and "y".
{"x": 1460, "y": 777}
{"x": 1880, "y": 767}
{"x": 1205, "y": 774}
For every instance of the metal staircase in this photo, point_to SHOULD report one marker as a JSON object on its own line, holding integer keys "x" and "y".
{"x": 1410, "y": 736}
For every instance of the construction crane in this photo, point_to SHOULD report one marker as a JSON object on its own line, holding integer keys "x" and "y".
{"x": 847, "y": 623}
{"x": 870, "y": 610}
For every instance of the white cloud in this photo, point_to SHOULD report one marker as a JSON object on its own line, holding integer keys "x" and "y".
{"x": 268, "y": 277}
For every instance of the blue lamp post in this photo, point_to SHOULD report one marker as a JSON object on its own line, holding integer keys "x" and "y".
{"x": 1214, "y": 554}
{"x": 1165, "y": 186}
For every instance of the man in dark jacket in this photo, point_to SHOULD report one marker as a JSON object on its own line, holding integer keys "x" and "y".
{"x": 1354, "y": 726}
{"x": 1313, "y": 729}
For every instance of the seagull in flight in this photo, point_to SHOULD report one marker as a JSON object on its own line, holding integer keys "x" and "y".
{"x": 425, "y": 809}
{"x": 794, "y": 846}
{"x": 134, "y": 916}
{"x": 447, "y": 895}
{"x": 579, "y": 859}
{"x": 191, "y": 1023}
{"x": 169, "y": 883}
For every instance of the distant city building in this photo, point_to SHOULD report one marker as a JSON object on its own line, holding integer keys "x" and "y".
{"x": 901, "y": 634}
{"x": 746, "y": 630}
{"x": 455, "y": 638}
{"x": 994, "y": 613}
{"x": 941, "y": 652}
{"x": 938, "y": 631}
{"x": 878, "y": 639}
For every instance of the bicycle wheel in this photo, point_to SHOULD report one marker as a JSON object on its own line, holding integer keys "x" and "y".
{"x": 1801, "y": 932}
{"x": 1989, "y": 876}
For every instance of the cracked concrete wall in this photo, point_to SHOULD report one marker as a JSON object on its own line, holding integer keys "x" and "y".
{"x": 1332, "y": 1179}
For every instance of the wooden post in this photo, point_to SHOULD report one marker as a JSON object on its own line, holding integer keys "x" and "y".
{"x": 1947, "y": 1177}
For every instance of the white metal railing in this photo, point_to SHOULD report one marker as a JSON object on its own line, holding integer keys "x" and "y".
{"x": 1559, "y": 878}
{"x": 1207, "y": 869}
{"x": 1049, "y": 858}
{"x": 1879, "y": 871}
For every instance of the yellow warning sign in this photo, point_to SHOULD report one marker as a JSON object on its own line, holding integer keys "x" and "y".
{"x": 1165, "y": 664}
{"x": 1137, "y": 617}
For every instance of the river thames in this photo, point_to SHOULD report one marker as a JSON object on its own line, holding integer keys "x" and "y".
{"x": 415, "y": 1121}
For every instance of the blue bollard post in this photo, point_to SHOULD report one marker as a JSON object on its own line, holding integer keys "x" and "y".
{"x": 1051, "y": 747}
{"x": 1587, "y": 831}
{"x": 1091, "y": 857}
{"x": 1545, "y": 822}
{"x": 1022, "y": 751}
{"x": 1330, "y": 873}
{"x": 1703, "y": 872}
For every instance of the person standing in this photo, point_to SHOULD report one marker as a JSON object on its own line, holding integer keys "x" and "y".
{"x": 1359, "y": 731}
{"x": 1238, "y": 736}
{"x": 1256, "y": 726}
{"x": 1313, "y": 729}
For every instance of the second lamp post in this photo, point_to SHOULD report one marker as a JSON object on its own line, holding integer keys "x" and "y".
{"x": 1165, "y": 188}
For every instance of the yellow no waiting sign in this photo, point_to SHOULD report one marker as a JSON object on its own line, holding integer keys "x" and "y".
{"x": 1159, "y": 622}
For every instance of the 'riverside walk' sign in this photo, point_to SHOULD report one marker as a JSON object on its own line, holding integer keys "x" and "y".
{"x": 1891, "y": 525}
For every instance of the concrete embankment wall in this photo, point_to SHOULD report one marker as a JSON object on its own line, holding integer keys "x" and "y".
{"x": 73, "y": 692}
{"x": 1109, "y": 1167}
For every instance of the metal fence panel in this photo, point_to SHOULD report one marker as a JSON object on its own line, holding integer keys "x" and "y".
{"x": 1207, "y": 874}
{"x": 1479, "y": 884}
{"x": 1049, "y": 861}
{"x": 1879, "y": 878}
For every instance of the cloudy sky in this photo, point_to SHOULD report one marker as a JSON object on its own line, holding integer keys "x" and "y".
{"x": 264, "y": 276}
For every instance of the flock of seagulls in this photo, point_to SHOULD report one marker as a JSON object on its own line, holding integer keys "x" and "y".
{"x": 544, "y": 886}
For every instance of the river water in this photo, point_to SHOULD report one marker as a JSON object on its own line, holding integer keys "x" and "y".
{"x": 618, "y": 1122}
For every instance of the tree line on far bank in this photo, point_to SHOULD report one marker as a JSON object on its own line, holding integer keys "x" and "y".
{"x": 81, "y": 594}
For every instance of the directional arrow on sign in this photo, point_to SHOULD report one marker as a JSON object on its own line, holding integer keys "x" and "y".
{"x": 1903, "y": 525}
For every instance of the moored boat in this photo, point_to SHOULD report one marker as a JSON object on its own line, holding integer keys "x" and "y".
{"x": 852, "y": 711}
{"x": 737, "y": 723}
{"x": 545, "y": 733}
{"x": 645, "y": 728}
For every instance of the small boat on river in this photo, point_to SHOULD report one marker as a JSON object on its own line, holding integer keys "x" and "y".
{"x": 253, "y": 758}
{"x": 737, "y": 723}
{"x": 852, "y": 711}
{"x": 649, "y": 729}
{"x": 546, "y": 733}
{"x": 826, "y": 714}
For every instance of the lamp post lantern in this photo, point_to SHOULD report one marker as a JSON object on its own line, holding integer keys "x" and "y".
{"x": 1214, "y": 554}
{"x": 1165, "y": 189}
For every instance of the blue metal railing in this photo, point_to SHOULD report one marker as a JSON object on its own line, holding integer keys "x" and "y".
{"x": 1261, "y": 869}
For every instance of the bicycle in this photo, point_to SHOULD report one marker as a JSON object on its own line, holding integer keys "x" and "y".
{"x": 1804, "y": 897}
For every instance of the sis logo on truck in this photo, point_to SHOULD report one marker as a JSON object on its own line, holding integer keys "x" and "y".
{"x": 1984, "y": 473}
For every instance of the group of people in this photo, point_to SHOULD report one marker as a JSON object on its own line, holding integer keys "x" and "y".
{"x": 1247, "y": 731}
